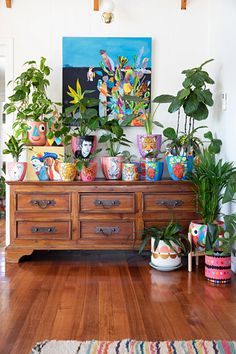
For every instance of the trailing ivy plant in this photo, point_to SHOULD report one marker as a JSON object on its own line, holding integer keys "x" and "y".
{"x": 29, "y": 99}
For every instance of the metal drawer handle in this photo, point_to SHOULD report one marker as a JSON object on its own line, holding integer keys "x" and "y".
{"x": 107, "y": 230}
{"x": 107, "y": 203}
{"x": 170, "y": 203}
{"x": 43, "y": 203}
{"x": 46, "y": 230}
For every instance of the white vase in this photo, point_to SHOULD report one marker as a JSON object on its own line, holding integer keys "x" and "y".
{"x": 164, "y": 256}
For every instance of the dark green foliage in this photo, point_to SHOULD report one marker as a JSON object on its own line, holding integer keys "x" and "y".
{"x": 171, "y": 233}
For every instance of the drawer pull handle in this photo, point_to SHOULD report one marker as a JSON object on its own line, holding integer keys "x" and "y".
{"x": 107, "y": 203}
{"x": 46, "y": 230}
{"x": 170, "y": 203}
{"x": 107, "y": 230}
{"x": 43, "y": 204}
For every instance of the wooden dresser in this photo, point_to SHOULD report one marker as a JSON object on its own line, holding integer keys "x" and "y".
{"x": 92, "y": 215}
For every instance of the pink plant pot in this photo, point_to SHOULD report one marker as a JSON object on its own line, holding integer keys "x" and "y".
{"x": 112, "y": 167}
{"x": 218, "y": 269}
{"x": 148, "y": 143}
{"x": 16, "y": 170}
{"x": 37, "y": 133}
{"x": 83, "y": 146}
{"x": 88, "y": 174}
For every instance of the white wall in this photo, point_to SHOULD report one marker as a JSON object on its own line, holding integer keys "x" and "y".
{"x": 179, "y": 41}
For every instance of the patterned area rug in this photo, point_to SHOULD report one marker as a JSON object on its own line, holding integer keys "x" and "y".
{"x": 128, "y": 346}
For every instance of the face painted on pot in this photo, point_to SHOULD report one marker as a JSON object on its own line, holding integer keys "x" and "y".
{"x": 37, "y": 133}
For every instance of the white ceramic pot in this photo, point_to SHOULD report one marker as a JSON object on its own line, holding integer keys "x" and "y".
{"x": 164, "y": 256}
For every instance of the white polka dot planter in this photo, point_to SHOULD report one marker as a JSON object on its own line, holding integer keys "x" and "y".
{"x": 218, "y": 269}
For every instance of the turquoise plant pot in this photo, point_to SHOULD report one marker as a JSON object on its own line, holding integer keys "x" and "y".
{"x": 179, "y": 166}
{"x": 154, "y": 170}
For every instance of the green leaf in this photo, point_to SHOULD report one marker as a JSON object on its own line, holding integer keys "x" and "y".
{"x": 201, "y": 113}
{"x": 158, "y": 124}
{"x": 163, "y": 99}
{"x": 175, "y": 105}
{"x": 191, "y": 104}
{"x": 183, "y": 93}
{"x": 170, "y": 133}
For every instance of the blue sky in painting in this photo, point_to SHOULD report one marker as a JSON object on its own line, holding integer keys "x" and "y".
{"x": 84, "y": 51}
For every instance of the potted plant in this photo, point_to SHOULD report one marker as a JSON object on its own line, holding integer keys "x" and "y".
{"x": 167, "y": 245}
{"x": 67, "y": 169}
{"x": 83, "y": 115}
{"x": 218, "y": 255}
{"x": 16, "y": 170}
{"x": 114, "y": 137}
{"x": 148, "y": 142}
{"x": 154, "y": 167}
{"x": 129, "y": 167}
{"x": 87, "y": 168}
{"x": 30, "y": 102}
{"x": 193, "y": 100}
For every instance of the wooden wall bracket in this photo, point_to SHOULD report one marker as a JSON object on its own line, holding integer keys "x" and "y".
{"x": 183, "y": 4}
{"x": 96, "y": 5}
{"x": 8, "y": 3}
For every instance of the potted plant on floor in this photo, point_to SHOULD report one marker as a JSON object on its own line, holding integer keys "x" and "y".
{"x": 87, "y": 168}
{"x": 114, "y": 137}
{"x": 30, "y": 102}
{"x": 148, "y": 142}
{"x": 83, "y": 115}
{"x": 193, "y": 100}
{"x": 168, "y": 243}
{"x": 16, "y": 170}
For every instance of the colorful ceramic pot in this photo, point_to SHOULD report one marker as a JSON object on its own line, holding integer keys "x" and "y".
{"x": 16, "y": 171}
{"x": 154, "y": 169}
{"x": 148, "y": 143}
{"x": 67, "y": 171}
{"x": 179, "y": 166}
{"x": 37, "y": 133}
{"x": 218, "y": 269}
{"x": 88, "y": 174}
{"x": 112, "y": 167}
{"x": 142, "y": 169}
{"x": 164, "y": 256}
{"x": 198, "y": 233}
{"x": 130, "y": 171}
{"x": 83, "y": 146}
{"x": 46, "y": 166}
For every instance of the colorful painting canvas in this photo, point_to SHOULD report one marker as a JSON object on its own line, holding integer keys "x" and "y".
{"x": 111, "y": 67}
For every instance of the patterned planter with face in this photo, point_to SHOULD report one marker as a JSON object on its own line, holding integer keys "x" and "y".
{"x": 179, "y": 166}
{"x": 37, "y": 133}
{"x": 130, "y": 172}
{"x": 83, "y": 146}
{"x": 218, "y": 269}
{"x": 198, "y": 232}
{"x": 112, "y": 167}
{"x": 148, "y": 143}
{"x": 16, "y": 171}
{"x": 154, "y": 169}
{"x": 88, "y": 174}
{"x": 164, "y": 256}
{"x": 67, "y": 171}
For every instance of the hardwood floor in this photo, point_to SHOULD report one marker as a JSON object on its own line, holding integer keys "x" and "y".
{"x": 107, "y": 295}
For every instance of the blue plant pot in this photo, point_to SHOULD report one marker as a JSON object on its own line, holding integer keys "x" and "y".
{"x": 179, "y": 166}
{"x": 154, "y": 170}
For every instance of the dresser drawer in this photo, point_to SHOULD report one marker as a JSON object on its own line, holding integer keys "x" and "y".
{"x": 43, "y": 202}
{"x": 107, "y": 231}
{"x": 169, "y": 202}
{"x": 47, "y": 230}
{"x": 107, "y": 202}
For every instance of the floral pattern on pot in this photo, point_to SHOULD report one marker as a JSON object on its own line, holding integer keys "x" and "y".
{"x": 148, "y": 143}
{"x": 164, "y": 256}
{"x": 198, "y": 232}
{"x": 130, "y": 172}
{"x": 154, "y": 169}
{"x": 218, "y": 269}
{"x": 88, "y": 174}
{"x": 83, "y": 146}
{"x": 112, "y": 167}
{"x": 67, "y": 171}
{"x": 16, "y": 170}
{"x": 37, "y": 133}
{"x": 179, "y": 166}
{"x": 46, "y": 166}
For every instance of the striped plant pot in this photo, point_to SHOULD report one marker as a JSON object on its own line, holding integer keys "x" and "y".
{"x": 218, "y": 269}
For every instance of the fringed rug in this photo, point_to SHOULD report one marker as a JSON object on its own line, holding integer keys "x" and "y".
{"x": 128, "y": 346}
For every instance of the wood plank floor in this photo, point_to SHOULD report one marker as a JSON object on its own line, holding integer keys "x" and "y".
{"x": 107, "y": 295}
